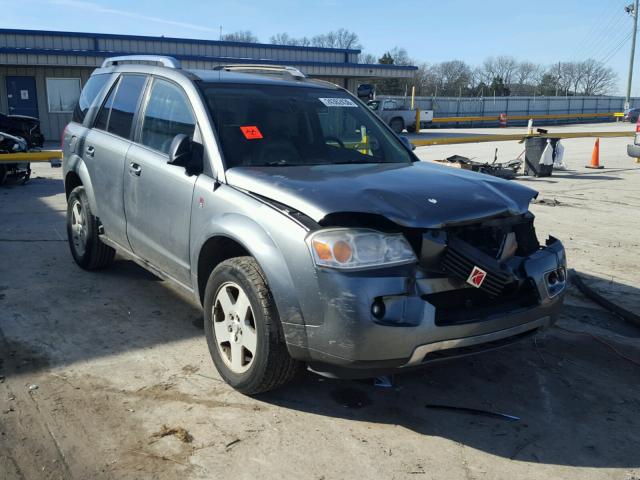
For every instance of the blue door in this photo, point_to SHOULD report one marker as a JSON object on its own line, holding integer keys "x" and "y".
{"x": 21, "y": 96}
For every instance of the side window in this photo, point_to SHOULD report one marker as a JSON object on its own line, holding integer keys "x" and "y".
{"x": 390, "y": 105}
{"x": 116, "y": 115}
{"x": 168, "y": 113}
{"x": 89, "y": 93}
{"x": 103, "y": 115}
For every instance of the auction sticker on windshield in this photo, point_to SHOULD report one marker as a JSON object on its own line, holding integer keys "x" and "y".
{"x": 251, "y": 132}
{"x": 338, "y": 102}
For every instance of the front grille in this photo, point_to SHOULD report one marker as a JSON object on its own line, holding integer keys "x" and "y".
{"x": 460, "y": 258}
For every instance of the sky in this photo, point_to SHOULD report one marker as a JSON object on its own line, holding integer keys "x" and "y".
{"x": 543, "y": 31}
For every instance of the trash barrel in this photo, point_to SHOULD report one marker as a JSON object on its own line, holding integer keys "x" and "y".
{"x": 533, "y": 148}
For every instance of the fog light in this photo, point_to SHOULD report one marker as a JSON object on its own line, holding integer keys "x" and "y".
{"x": 378, "y": 309}
{"x": 553, "y": 278}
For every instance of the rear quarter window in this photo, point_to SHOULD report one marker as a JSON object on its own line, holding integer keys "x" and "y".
{"x": 92, "y": 88}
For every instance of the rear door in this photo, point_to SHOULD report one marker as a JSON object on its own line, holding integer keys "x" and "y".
{"x": 21, "y": 96}
{"x": 158, "y": 196}
{"x": 105, "y": 151}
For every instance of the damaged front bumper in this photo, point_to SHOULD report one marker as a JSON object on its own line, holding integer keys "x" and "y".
{"x": 404, "y": 317}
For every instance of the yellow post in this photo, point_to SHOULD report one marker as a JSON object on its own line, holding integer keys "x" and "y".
{"x": 413, "y": 96}
{"x": 364, "y": 141}
{"x": 417, "y": 120}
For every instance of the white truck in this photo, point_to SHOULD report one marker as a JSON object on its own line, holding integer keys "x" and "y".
{"x": 399, "y": 117}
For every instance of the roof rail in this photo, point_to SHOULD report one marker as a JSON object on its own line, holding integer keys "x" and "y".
{"x": 262, "y": 68}
{"x": 165, "y": 61}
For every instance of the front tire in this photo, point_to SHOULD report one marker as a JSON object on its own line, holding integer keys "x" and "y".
{"x": 87, "y": 249}
{"x": 243, "y": 329}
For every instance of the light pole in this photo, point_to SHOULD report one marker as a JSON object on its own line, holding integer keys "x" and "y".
{"x": 631, "y": 9}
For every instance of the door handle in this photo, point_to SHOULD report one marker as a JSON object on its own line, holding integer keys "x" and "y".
{"x": 90, "y": 151}
{"x": 135, "y": 169}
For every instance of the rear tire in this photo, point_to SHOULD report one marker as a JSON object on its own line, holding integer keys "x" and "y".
{"x": 243, "y": 328}
{"x": 397, "y": 125}
{"x": 411, "y": 129}
{"x": 87, "y": 249}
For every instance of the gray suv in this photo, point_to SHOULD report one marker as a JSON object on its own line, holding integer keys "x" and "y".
{"x": 308, "y": 231}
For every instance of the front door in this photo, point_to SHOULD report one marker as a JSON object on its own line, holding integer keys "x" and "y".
{"x": 21, "y": 96}
{"x": 158, "y": 196}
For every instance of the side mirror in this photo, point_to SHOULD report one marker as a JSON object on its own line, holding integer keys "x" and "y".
{"x": 404, "y": 139}
{"x": 180, "y": 151}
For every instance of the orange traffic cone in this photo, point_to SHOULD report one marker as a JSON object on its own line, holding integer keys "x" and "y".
{"x": 595, "y": 156}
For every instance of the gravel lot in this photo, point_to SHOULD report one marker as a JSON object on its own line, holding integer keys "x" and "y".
{"x": 107, "y": 375}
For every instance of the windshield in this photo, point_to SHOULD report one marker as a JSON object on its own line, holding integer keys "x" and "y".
{"x": 273, "y": 125}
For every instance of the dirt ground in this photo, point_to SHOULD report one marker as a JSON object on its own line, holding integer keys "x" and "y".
{"x": 107, "y": 375}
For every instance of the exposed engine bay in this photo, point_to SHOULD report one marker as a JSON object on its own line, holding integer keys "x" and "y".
{"x": 18, "y": 134}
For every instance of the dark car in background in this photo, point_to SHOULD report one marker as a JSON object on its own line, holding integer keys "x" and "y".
{"x": 632, "y": 115}
{"x": 18, "y": 133}
{"x": 24, "y": 127}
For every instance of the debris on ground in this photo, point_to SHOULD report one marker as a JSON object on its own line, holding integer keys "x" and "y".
{"x": 180, "y": 433}
{"x": 33, "y": 387}
{"x": 475, "y": 411}
{"x": 383, "y": 381}
{"x": 232, "y": 443}
{"x": 190, "y": 369}
{"x": 507, "y": 170}
{"x": 551, "y": 202}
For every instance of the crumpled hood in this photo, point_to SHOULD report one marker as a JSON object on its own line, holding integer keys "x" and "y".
{"x": 420, "y": 195}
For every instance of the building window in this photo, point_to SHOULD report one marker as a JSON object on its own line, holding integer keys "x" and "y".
{"x": 62, "y": 94}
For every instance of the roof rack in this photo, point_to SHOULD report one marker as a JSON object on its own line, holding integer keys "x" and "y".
{"x": 264, "y": 69}
{"x": 165, "y": 61}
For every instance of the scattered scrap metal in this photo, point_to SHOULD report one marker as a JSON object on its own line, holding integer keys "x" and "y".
{"x": 507, "y": 170}
{"x": 475, "y": 411}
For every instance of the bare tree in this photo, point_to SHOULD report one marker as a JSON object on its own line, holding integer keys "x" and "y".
{"x": 425, "y": 80}
{"x": 598, "y": 79}
{"x": 453, "y": 78}
{"x": 528, "y": 73}
{"x": 572, "y": 76}
{"x": 337, "y": 39}
{"x": 245, "y": 36}
{"x": 503, "y": 67}
{"x": 285, "y": 39}
{"x": 369, "y": 58}
{"x": 282, "y": 39}
{"x": 400, "y": 56}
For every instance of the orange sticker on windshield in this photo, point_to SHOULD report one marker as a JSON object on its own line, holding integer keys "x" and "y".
{"x": 251, "y": 132}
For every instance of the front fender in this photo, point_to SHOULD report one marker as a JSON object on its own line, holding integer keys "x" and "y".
{"x": 274, "y": 240}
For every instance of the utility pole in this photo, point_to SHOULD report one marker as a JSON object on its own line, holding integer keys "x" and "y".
{"x": 632, "y": 10}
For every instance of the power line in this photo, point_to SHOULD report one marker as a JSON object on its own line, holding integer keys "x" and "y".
{"x": 607, "y": 35}
{"x": 616, "y": 49}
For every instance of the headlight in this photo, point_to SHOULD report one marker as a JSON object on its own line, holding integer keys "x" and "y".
{"x": 353, "y": 249}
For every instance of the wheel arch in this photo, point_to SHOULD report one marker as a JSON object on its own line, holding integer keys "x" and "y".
{"x": 240, "y": 235}
{"x": 78, "y": 175}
